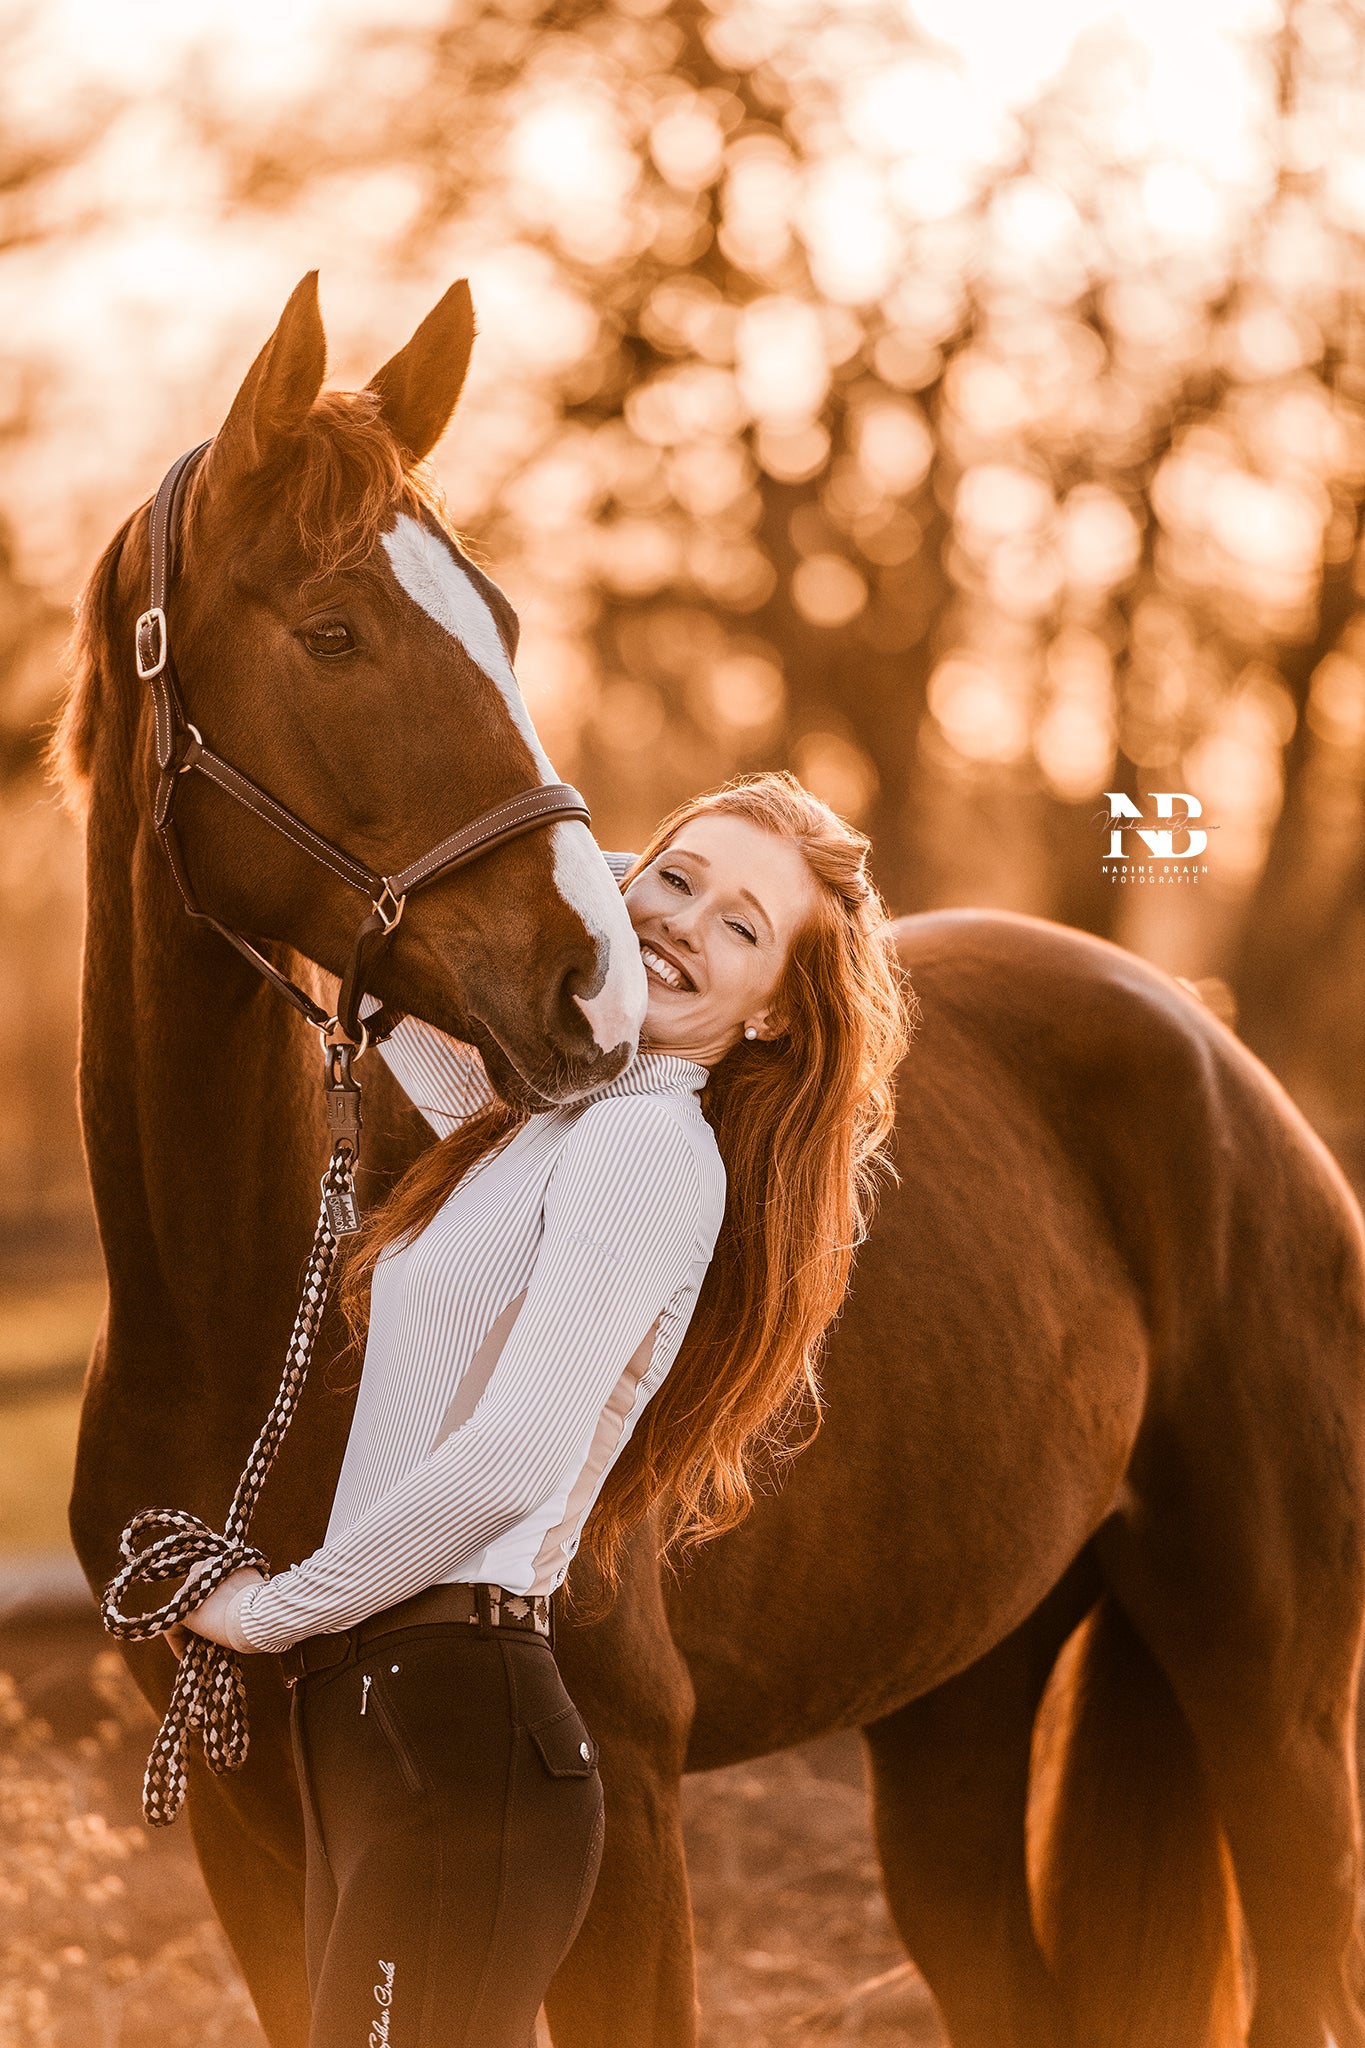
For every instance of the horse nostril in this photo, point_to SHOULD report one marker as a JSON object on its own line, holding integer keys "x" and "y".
{"x": 583, "y": 978}
{"x": 579, "y": 983}
{"x": 604, "y": 1006}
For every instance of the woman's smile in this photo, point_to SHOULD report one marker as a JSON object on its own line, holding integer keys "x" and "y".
{"x": 661, "y": 966}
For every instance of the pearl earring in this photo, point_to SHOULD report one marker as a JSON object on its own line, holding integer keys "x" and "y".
{"x": 751, "y": 1031}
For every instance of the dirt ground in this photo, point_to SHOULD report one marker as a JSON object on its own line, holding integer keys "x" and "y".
{"x": 109, "y": 1940}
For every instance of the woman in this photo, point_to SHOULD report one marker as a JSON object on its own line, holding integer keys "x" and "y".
{"x": 532, "y": 1281}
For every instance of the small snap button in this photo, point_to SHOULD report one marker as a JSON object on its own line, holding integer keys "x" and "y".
{"x": 393, "y": 1667}
{"x": 584, "y": 1751}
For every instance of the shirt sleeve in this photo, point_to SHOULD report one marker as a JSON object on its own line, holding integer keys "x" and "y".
{"x": 443, "y": 1078}
{"x": 626, "y": 1220}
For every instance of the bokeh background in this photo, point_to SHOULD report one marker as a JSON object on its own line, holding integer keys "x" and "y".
{"x": 962, "y": 404}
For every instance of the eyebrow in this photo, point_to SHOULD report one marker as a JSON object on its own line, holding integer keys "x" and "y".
{"x": 747, "y": 894}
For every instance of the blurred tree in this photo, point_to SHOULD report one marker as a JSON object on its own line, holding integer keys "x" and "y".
{"x": 41, "y": 1165}
{"x": 973, "y": 462}
{"x": 974, "y": 447}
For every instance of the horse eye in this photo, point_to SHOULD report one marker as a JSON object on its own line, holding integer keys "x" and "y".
{"x": 329, "y": 637}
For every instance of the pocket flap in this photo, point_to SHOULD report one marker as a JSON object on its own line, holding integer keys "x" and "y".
{"x": 566, "y": 1748}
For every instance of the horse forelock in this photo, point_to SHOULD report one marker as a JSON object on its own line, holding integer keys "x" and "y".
{"x": 340, "y": 482}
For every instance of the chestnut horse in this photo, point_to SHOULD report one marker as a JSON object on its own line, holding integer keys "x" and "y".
{"x": 1081, "y": 1543}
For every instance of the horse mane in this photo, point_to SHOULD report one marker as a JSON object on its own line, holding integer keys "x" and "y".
{"x": 342, "y": 480}
{"x": 89, "y": 652}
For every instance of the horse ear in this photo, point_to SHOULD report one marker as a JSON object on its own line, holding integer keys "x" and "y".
{"x": 419, "y": 387}
{"x": 278, "y": 390}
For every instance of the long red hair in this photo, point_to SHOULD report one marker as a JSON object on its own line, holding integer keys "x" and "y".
{"x": 802, "y": 1123}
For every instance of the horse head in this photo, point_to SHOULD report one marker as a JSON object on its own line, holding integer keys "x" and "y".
{"x": 335, "y": 642}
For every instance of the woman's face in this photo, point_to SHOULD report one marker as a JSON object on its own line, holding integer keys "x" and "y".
{"x": 715, "y": 914}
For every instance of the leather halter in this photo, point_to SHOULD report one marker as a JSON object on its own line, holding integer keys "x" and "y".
{"x": 181, "y": 750}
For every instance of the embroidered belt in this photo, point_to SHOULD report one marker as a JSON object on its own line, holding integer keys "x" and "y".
{"x": 485, "y": 1606}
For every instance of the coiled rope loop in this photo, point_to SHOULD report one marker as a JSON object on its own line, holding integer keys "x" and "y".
{"x": 161, "y": 1544}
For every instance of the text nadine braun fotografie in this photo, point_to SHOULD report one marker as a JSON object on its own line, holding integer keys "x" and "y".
{"x": 1165, "y": 852}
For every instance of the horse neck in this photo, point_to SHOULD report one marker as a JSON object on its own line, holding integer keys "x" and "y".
{"x": 200, "y": 1103}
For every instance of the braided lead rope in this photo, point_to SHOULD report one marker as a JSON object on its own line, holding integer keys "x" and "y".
{"x": 160, "y": 1544}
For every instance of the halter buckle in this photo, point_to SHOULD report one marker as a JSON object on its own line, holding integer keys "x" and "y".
{"x": 387, "y": 907}
{"x": 151, "y": 652}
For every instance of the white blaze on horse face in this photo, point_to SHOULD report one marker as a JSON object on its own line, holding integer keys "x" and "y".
{"x": 617, "y": 1011}
{"x": 433, "y": 578}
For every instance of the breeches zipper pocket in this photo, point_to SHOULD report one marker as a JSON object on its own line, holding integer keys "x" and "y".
{"x": 410, "y": 1769}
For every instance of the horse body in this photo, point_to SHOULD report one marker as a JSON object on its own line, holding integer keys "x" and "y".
{"x": 1079, "y": 1547}
{"x": 1054, "y": 1206}
{"x": 990, "y": 1309}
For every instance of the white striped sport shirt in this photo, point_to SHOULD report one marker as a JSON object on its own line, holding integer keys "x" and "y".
{"x": 514, "y": 1344}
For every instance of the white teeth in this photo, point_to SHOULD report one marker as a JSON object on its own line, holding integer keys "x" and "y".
{"x": 665, "y": 969}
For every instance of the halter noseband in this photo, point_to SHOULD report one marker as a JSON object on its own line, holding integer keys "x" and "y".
{"x": 181, "y": 750}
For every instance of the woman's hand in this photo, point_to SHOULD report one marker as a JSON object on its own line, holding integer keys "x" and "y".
{"x": 216, "y": 1617}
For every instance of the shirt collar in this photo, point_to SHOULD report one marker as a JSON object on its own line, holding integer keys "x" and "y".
{"x": 655, "y": 1073}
